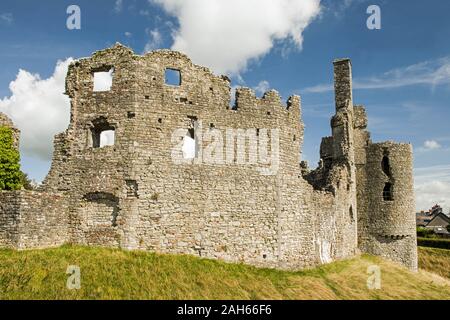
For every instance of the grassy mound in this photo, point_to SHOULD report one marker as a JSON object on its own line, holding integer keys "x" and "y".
{"x": 117, "y": 274}
{"x": 435, "y": 260}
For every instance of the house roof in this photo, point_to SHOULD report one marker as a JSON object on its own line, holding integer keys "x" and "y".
{"x": 439, "y": 230}
{"x": 423, "y": 218}
{"x": 441, "y": 216}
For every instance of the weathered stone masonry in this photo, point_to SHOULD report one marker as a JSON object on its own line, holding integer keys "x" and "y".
{"x": 133, "y": 194}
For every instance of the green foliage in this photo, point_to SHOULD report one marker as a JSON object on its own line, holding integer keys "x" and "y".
{"x": 434, "y": 243}
{"x": 425, "y": 232}
{"x": 26, "y": 182}
{"x": 10, "y": 174}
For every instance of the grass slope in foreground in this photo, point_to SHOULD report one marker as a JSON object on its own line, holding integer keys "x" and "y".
{"x": 435, "y": 260}
{"x": 117, "y": 274}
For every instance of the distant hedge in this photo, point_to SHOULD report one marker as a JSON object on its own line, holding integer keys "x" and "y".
{"x": 434, "y": 243}
{"x": 424, "y": 232}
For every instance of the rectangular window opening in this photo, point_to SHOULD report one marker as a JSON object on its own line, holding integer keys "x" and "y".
{"x": 103, "y": 80}
{"x": 190, "y": 143}
{"x": 173, "y": 77}
{"x": 103, "y": 138}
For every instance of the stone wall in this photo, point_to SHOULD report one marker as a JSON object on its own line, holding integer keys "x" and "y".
{"x": 255, "y": 212}
{"x": 30, "y": 219}
{"x": 9, "y": 219}
{"x": 237, "y": 200}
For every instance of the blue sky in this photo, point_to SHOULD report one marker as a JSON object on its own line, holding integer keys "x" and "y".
{"x": 401, "y": 72}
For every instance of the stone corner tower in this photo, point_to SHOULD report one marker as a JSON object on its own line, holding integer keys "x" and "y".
{"x": 387, "y": 225}
{"x": 381, "y": 176}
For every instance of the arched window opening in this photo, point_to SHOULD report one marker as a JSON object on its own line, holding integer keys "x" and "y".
{"x": 103, "y": 134}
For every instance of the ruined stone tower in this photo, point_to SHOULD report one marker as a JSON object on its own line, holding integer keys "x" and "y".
{"x": 243, "y": 196}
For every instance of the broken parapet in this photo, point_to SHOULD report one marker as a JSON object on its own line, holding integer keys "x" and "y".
{"x": 31, "y": 219}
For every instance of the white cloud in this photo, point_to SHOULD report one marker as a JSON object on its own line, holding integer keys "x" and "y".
{"x": 103, "y": 80}
{"x": 320, "y": 88}
{"x": 118, "y": 6}
{"x": 6, "y": 18}
{"x": 338, "y": 8}
{"x": 155, "y": 40}
{"x": 431, "y": 73}
{"x": 262, "y": 87}
{"x": 432, "y": 186}
{"x": 431, "y": 145}
{"x": 39, "y": 109}
{"x": 128, "y": 34}
{"x": 226, "y": 35}
{"x": 431, "y": 193}
{"x": 107, "y": 138}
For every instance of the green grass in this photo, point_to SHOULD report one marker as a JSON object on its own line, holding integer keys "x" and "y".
{"x": 118, "y": 274}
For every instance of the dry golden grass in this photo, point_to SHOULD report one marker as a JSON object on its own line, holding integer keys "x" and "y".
{"x": 117, "y": 274}
{"x": 435, "y": 260}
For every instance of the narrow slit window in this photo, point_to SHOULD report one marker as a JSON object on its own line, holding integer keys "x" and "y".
{"x": 388, "y": 192}
{"x": 385, "y": 166}
{"x": 103, "y": 80}
{"x": 190, "y": 143}
{"x": 173, "y": 77}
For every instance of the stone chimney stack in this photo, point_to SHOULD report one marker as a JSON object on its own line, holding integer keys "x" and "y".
{"x": 342, "y": 123}
{"x": 343, "y": 83}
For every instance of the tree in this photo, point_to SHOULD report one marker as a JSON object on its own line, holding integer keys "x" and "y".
{"x": 424, "y": 232}
{"x": 10, "y": 175}
{"x": 27, "y": 183}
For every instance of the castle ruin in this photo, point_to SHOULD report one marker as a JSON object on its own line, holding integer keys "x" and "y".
{"x": 132, "y": 194}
